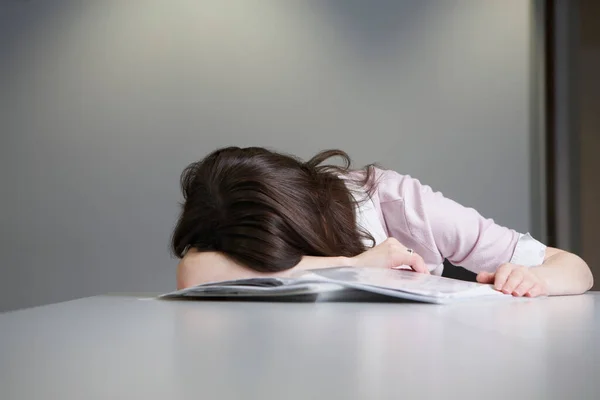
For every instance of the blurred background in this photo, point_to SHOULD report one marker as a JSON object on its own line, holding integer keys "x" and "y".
{"x": 103, "y": 103}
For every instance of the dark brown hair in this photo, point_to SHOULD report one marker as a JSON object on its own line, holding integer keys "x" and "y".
{"x": 266, "y": 210}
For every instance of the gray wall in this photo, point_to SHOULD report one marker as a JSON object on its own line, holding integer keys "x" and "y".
{"x": 103, "y": 103}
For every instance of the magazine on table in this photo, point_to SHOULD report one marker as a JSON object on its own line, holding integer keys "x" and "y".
{"x": 340, "y": 283}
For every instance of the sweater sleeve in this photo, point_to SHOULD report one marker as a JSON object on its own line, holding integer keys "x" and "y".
{"x": 450, "y": 230}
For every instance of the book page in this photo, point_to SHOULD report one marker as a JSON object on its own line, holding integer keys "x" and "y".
{"x": 263, "y": 287}
{"x": 405, "y": 284}
{"x": 402, "y": 280}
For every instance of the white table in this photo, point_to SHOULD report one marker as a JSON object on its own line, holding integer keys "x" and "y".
{"x": 124, "y": 347}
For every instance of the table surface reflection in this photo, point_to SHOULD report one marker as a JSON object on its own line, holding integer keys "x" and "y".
{"x": 138, "y": 347}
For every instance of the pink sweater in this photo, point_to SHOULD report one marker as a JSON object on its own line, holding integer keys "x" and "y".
{"x": 438, "y": 228}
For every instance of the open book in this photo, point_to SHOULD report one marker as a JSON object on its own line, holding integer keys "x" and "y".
{"x": 345, "y": 282}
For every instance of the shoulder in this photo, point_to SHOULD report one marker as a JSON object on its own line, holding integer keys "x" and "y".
{"x": 391, "y": 186}
{"x": 387, "y": 186}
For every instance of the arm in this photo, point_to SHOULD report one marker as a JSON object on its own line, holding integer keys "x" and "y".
{"x": 202, "y": 267}
{"x": 561, "y": 273}
{"x": 564, "y": 273}
{"x": 499, "y": 255}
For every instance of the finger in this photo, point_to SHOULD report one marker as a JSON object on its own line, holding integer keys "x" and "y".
{"x": 417, "y": 263}
{"x": 485, "y": 277}
{"x": 404, "y": 256}
{"x": 535, "y": 291}
{"x": 501, "y": 276}
{"x": 514, "y": 279}
{"x": 525, "y": 286}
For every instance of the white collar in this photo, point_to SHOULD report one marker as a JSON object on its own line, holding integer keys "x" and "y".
{"x": 367, "y": 218}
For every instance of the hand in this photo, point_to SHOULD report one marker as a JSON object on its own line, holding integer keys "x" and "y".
{"x": 516, "y": 280}
{"x": 390, "y": 254}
